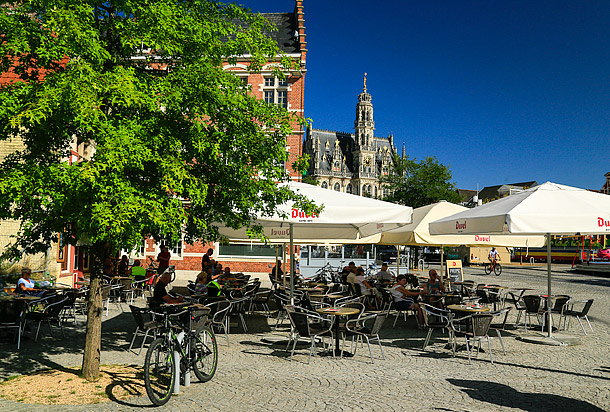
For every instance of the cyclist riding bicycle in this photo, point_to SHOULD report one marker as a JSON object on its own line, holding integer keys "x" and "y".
{"x": 494, "y": 256}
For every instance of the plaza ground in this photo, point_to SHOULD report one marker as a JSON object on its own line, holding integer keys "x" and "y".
{"x": 255, "y": 376}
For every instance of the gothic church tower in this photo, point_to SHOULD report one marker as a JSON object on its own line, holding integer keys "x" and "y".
{"x": 364, "y": 149}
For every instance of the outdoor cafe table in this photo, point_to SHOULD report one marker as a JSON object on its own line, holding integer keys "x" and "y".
{"x": 19, "y": 297}
{"x": 338, "y": 312}
{"x": 468, "y": 308}
{"x": 471, "y": 309}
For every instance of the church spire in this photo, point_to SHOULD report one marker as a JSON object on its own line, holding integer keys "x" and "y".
{"x": 364, "y": 125}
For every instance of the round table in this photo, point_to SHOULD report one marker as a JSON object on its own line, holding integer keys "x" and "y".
{"x": 468, "y": 308}
{"x": 338, "y": 312}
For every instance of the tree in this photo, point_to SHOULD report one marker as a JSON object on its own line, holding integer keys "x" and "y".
{"x": 178, "y": 143}
{"x": 418, "y": 184}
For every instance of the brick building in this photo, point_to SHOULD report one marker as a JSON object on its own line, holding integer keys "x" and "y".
{"x": 287, "y": 92}
{"x": 351, "y": 162}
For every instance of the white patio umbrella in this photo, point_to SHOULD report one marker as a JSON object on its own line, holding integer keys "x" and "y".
{"x": 548, "y": 209}
{"x": 417, "y": 233}
{"x": 344, "y": 218}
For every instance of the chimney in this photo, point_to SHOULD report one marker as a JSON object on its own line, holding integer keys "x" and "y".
{"x": 300, "y": 17}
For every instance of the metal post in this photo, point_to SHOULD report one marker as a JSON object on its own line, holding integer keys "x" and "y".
{"x": 180, "y": 337}
{"x": 398, "y": 260}
{"x": 291, "y": 265}
{"x": 442, "y": 274}
{"x": 548, "y": 271}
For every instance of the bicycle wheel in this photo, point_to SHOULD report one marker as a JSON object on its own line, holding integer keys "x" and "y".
{"x": 498, "y": 269}
{"x": 487, "y": 269}
{"x": 159, "y": 374}
{"x": 205, "y": 354}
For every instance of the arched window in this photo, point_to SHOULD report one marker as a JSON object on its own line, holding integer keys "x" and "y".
{"x": 337, "y": 187}
{"x": 348, "y": 188}
{"x": 375, "y": 191}
{"x": 324, "y": 185}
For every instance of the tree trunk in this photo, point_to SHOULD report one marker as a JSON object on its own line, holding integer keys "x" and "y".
{"x": 93, "y": 338}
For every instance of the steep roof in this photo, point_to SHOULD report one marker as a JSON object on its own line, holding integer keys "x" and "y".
{"x": 286, "y": 35}
{"x": 491, "y": 192}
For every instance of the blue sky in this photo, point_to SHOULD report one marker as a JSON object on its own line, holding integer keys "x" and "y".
{"x": 499, "y": 91}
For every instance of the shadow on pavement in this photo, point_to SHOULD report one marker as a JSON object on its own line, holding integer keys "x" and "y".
{"x": 503, "y": 395}
{"x": 35, "y": 356}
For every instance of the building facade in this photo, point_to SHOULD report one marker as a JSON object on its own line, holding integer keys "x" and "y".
{"x": 351, "y": 162}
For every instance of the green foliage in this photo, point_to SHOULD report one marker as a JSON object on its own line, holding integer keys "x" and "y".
{"x": 163, "y": 126}
{"x": 419, "y": 184}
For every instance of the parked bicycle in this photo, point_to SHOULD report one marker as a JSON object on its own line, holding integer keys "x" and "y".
{"x": 496, "y": 268}
{"x": 186, "y": 331}
{"x": 328, "y": 274}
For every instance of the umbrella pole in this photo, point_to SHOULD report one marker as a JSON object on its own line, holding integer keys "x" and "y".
{"x": 277, "y": 269}
{"x": 398, "y": 261}
{"x": 291, "y": 265}
{"x": 442, "y": 262}
{"x": 548, "y": 271}
{"x": 284, "y": 268}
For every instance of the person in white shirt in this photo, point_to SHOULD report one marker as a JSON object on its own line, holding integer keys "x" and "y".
{"x": 494, "y": 256}
{"x": 26, "y": 286}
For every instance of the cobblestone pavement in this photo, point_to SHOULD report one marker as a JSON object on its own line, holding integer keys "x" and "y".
{"x": 255, "y": 376}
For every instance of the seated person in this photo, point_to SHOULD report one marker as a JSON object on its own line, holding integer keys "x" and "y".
{"x": 137, "y": 271}
{"x": 26, "y": 286}
{"x": 350, "y": 268}
{"x": 201, "y": 283}
{"x": 160, "y": 294}
{"x": 227, "y": 273}
{"x": 124, "y": 266}
{"x": 434, "y": 285}
{"x": 365, "y": 287}
{"x": 108, "y": 267}
{"x": 217, "y": 270}
{"x": 351, "y": 275}
{"x": 383, "y": 275}
{"x": 214, "y": 288}
{"x": 404, "y": 299}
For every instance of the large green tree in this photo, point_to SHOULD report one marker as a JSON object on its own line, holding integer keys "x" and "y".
{"x": 177, "y": 142}
{"x": 420, "y": 183}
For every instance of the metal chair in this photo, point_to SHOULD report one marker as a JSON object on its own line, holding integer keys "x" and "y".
{"x": 500, "y": 326}
{"x": 12, "y": 316}
{"x": 569, "y": 311}
{"x": 69, "y": 310}
{"x": 477, "y": 330}
{"x": 434, "y": 319}
{"x": 558, "y": 305}
{"x": 143, "y": 326}
{"x": 219, "y": 312}
{"x": 127, "y": 291}
{"x": 238, "y": 308}
{"x": 357, "y": 328}
{"x": 302, "y": 323}
{"x": 534, "y": 305}
{"x": 519, "y": 306}
{"x": 262, "y": 299}
{"x": 51, "y": 312}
